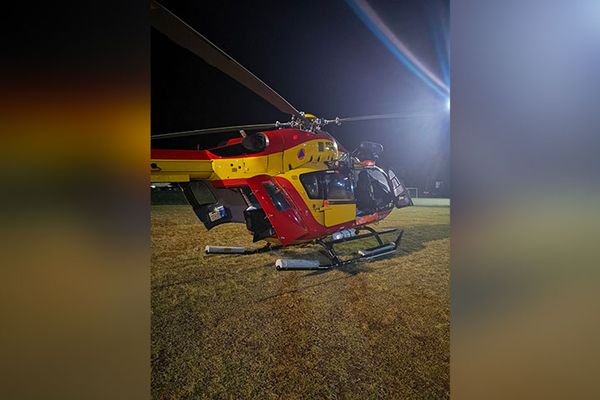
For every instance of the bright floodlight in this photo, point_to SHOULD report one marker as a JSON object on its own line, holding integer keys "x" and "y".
{"x": 448, "y": 104}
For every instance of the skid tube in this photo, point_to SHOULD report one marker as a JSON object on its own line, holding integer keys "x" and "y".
{"x": 239, "y": 250}
{"x": 382, "y": 249}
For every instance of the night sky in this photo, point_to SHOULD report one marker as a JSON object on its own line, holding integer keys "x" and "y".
{"x": 324, "y": 60}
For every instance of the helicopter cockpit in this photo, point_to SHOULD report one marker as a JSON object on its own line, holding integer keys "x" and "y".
{"x": 368, "y": 186}
{"x": 374, "y": 189}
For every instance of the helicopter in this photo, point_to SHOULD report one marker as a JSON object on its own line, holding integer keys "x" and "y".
{"x": 291, "y": 183}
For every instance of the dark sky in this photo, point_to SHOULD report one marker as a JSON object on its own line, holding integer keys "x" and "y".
{"x": 322, "y": 58}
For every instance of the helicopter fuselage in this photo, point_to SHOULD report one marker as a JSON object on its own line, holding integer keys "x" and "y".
{"x": 287, "y": 185}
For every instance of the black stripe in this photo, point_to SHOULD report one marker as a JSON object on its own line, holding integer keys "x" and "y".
{"x": 335, "y": 202}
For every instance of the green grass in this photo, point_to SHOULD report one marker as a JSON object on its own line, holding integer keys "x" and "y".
{"x": 233, "y": 327}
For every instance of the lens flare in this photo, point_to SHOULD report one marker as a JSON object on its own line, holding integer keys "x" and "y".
{"x": 372, "y": 20}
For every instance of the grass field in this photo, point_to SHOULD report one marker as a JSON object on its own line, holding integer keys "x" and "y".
{"x": 233, "y": 327}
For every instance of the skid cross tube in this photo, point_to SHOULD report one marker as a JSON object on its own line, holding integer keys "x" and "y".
{"x": 365, "y": 255}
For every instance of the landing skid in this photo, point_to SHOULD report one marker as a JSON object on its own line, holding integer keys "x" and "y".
{"x": 239, "y": 250}
{"x": 382, "y": 249}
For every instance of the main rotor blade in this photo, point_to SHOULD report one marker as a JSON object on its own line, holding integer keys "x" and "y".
{"x": 213, "y": 130}
{"x": 185, "y": 36}
{"x": 381, "y": 116}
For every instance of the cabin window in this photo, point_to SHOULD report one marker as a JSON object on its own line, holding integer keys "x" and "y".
{"x": 276, "y": 196}
{"x": 339, "y": 186}
{"x": 328, "y": 185}
{"x": 313, "y": 185}
{"x": 198, "y": 193}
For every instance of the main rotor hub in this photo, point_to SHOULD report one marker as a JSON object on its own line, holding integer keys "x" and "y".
{"x": 308, "y": 122}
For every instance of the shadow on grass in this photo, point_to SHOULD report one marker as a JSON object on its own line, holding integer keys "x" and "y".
{"x": 413, "y": 240}
{"x": 415, "y": 237}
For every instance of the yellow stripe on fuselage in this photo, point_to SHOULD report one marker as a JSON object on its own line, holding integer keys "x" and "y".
{"x": 276, "y": 164}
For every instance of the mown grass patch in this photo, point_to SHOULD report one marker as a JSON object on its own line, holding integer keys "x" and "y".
{"x": 233, "y": 327}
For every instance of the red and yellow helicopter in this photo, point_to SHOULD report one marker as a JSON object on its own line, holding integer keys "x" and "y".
{"x": 290, "y": 182}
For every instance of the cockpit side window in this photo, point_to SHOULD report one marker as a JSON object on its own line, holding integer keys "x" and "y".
{"x": 339, "y": 186}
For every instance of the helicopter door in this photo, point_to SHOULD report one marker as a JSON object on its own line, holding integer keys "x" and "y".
{"x": 401, "y": 195}
{"x": 278, "y": 208}
{"x": 339, "y": 205}
{"x": 210, "y": 208}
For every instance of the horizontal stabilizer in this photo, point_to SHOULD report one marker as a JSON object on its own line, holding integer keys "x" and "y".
{"x": 164, "y": 170}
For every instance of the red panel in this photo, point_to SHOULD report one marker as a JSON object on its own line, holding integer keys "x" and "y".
{"x": 294, "y": 137}
{"x": 230, "y": 183}
{"x": 279, "y": 140}
{"x": 287, "y": 223}
{"x": 370, "y": 218}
